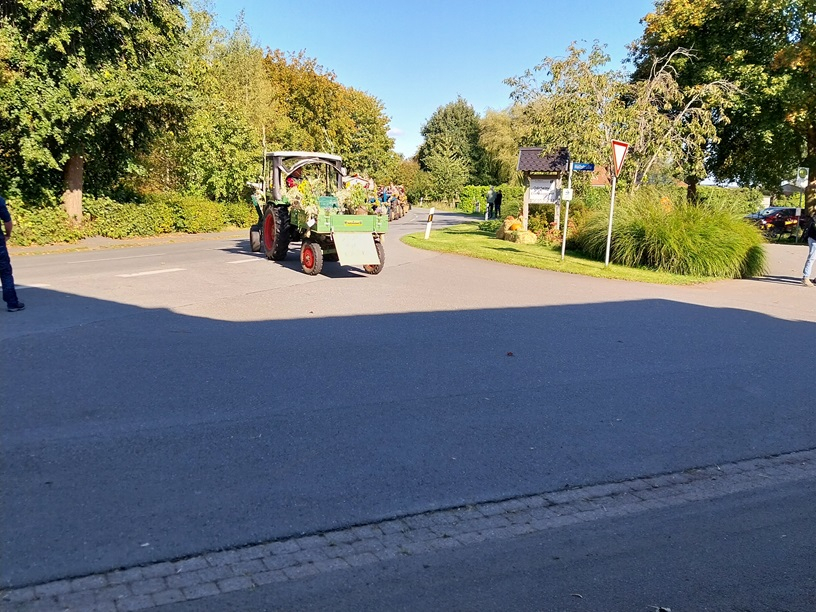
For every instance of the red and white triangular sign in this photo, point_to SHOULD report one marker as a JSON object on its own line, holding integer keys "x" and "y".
{"x": 618, "y": 154}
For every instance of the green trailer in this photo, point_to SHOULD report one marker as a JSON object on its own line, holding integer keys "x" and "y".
{"x": 301, "y": 198}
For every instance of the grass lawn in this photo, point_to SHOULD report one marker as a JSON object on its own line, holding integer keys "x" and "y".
{"x": 468, "y": 239}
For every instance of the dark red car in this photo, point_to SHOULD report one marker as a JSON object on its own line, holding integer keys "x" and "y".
{"x": 778, "y": 219}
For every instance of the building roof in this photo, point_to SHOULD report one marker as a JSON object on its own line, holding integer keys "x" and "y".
{"x": 531, "y": 160}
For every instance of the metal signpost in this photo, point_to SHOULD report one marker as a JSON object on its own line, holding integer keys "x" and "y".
{"x": 802, "y": 181}
{"x": 618, "y": 154}
{"x": 566, "y": 196}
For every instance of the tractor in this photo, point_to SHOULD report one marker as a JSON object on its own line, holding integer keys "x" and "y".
{"x": 301, "y": 198}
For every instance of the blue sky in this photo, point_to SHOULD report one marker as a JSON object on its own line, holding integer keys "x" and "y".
{"x": 417, "y": 56}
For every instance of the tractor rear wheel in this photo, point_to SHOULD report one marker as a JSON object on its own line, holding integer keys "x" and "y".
{"x": 255, "y": 238}
{"x": 311, "y": 257}
{"x": 276, "y": 232}
{"x": 376, "y": 269}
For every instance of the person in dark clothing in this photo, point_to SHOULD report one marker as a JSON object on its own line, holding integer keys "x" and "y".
{"x": 811, "y": 238}
{"x": 9, "y": 293}
{"x": 491, "y": 202}
{"x": 497, "y": 205}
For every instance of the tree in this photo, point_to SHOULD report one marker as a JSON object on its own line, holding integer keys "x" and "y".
{"x": 86, "y": 86}
{"x": 766, "y": 48}
{"x": 575, "y": 104}
{"x": 499, "y": 138}
{"x": 324, "y": 115}
{"x": 673, "y": 124}
{"x": 580, "y": 105}
{"x": 453, "y": 127}
{"x": 449, "y": 172}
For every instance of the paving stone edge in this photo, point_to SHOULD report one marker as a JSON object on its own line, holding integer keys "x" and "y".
{"x": 297, "y": 558}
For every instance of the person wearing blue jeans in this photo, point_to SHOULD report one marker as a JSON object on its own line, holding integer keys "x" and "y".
{"x": 9, "y": 293}
{"x": 811, "y": 238}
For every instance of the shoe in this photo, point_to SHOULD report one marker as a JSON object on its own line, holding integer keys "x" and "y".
{"x": 19, "y": 306}
{"x": 807, "y": 282}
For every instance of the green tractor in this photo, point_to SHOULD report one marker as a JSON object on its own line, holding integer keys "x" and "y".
{"x": 301, "y": 198}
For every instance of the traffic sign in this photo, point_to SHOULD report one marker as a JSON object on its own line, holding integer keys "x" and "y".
{"x": 802, "y": 177}
{"x": 582, "y": 167}
{"x": 618, "y": 154}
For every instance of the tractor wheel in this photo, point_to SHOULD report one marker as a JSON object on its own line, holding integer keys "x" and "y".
{"x": 311, "y": 257}
{"x": 255, "y": 238}
{"x": 376, "y": 269}
{"x": 276, "y": 232}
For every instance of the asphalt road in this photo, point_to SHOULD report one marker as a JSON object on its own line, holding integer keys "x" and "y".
{"x": 170, "y": 399}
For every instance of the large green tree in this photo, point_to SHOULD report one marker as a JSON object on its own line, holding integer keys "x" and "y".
{"x": 86, "y": 85}
{"x": 768, "y": 49}
{"x": 321, "y": 114}
{"x": 573, "y": 101}
{"x": 576, "y": 102}
{"x": 454, "y": 129}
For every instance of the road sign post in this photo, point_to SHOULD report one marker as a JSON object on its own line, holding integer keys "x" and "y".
{"x": 566, "y": 195}
{"x": 618, "y": 154}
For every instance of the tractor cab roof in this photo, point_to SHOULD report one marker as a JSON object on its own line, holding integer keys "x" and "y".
{"x": 304, "y": 155}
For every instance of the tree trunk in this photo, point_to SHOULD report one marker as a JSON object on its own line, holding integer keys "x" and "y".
{"x": 73, "y": 177}
{"x": 691, "y": 189}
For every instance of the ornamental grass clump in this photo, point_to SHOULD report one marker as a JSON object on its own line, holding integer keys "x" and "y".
{"x": 693, "y": 240}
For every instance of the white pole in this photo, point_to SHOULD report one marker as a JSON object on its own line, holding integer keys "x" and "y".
{"x": 611, "y": 213}
{"x": 566, "y": 216}
{"x": 430, "y": 221}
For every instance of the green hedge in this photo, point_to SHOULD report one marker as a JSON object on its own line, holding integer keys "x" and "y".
{"x": 157, "y": 214}
{"x": 43, "y": 225}
{"x": 512, "y": 198}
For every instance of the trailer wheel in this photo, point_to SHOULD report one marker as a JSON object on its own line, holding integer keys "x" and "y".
{"x": 255, "y": 238}
{"x": 276, "y": 232}
{"x": 376, "y": 269}
{"x": 311, "y": 257}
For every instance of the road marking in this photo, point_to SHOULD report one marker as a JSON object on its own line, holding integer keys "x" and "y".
{"x": 247, "y": 260}
{"x": 291, "y": 559}
{"x": 35, "y": 286}
{"x": 114, "y": 258}
{"x": 150, "y": 272}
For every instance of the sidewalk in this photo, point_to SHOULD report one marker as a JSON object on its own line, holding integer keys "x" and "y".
{"x": 99, "y": 243}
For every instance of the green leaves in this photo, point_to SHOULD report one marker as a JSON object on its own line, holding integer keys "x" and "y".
{"x": 765, "y": 47}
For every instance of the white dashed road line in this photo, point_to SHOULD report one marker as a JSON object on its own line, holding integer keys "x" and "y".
{"x": 114, "y": 258}
{"x": 151, "y": 272}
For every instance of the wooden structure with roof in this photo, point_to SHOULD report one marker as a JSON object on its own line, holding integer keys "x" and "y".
{"x": 542, "y": 175}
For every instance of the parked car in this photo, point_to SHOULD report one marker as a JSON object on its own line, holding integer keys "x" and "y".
{"x": 777, "y": 219}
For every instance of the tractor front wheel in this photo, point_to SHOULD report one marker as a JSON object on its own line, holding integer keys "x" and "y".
{"x": 311, "y": 257}
{"x": 376, "y": 269}
{"x": 255, "y": 238}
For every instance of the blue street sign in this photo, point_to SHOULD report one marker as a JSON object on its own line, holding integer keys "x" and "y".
{"x": 579, "y": 167}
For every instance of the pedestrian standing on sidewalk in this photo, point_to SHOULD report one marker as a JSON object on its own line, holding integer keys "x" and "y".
{"x": 7, "y": 280}
{"x": 811, "y": 238}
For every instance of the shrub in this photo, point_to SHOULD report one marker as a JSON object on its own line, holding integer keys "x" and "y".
{"x": 239, "y": 214}
{"x": 737, "y": 201}
{"x": 116, "y": 220}
{"x": 192, "y": 214}
{"x": 677, "y": 238}
{"x": 512, "y": 198}
{"x": 471, "y": 196}
{"x": 43, "y": 225}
